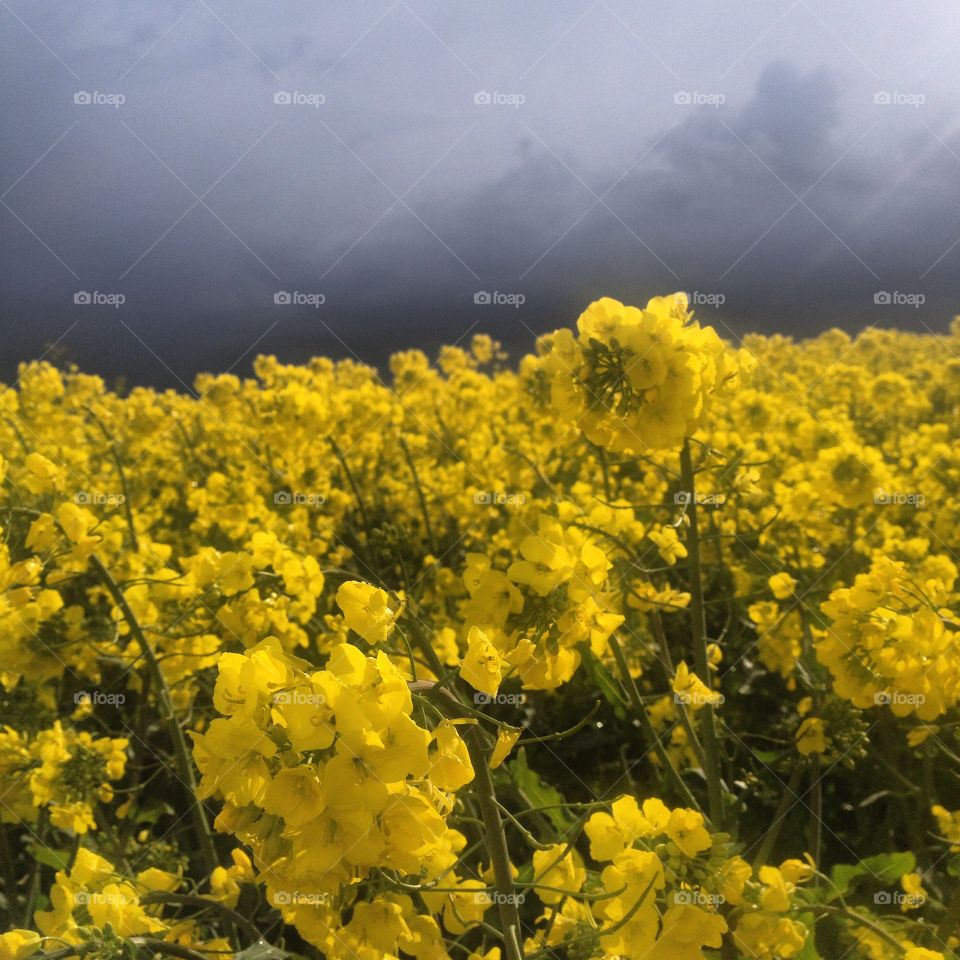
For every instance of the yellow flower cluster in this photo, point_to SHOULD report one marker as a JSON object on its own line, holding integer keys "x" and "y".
{"x": 656, "y": 853}
{"x": 325, "y": 773}
{"x": 90, "y": 894}
{"x": 892, "y": 641}
{"x": 63, "y": 772}
{"x": 530, "y": 620}
{"x": 638, "y": 379}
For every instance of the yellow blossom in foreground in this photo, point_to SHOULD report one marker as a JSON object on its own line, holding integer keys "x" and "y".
{"x": 366, "y": 610}
{"x": 482, "y": 667}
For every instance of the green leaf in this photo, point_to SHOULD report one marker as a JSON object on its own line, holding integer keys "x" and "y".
{"x": 884, "y": 868}
{"x": 261, "y": 950}
{"x": 605, "y": 683}
{"x": 58, "y": 859}
{"x": 537, "y": 793}
{"x": 153, "y": 814}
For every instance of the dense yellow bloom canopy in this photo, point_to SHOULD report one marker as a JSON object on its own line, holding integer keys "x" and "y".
{"x": 370, "y": 666}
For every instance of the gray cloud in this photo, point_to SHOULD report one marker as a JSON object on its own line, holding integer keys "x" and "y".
{"x": 797, "y": 198}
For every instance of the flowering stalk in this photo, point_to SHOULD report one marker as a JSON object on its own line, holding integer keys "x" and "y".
{"x": 494, "y": 834}
{"x": 668, "y": 668}
{"x": 118, "y": 463}
{"x": 651, "y": 735}
{"x": 180, "y": 750}
{"x": 496, "y": 845}
{"x": 815, "y": 829}
{"x": 698, "y": 627}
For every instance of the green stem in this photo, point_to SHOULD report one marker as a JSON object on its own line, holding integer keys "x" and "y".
{"x": 124, "y": 487}
{"x": 783, "y": 808}
{"x": 33, "y": 885}
{"x": 651, "y": 735}
{"x": 698, "y": 628}
{"x": 496, "y": 845}
{"x": 204, "y": 903}
{"x": 180, "y": 750}
{"x": 8, "y": 864}
{"x": 420, "y": 496}
{"x": 667, "y": 663}
{"x": 815, "y": 827}
{"x": 495, "y": 837}
{"x": 361, "y": 506}
{"x": 861, "y": 921}
{"x": 950, "y": 923}
{"x": 524, "y": 832}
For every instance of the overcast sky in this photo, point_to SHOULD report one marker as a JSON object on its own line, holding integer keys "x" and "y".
{"x": 797, "y": 164}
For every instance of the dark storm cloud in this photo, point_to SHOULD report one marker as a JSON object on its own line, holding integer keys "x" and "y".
{"x": 758, "y": 164}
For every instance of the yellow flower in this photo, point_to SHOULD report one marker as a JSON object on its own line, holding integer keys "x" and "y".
{"x": 668, "y": 545}
{"x": 366, "y": 610}
{"x": 767, "y": 936}
{"x": 691, "y": 691}
{"x": 155, "y": 879}
{"x": 686, "y": 829}
{"x": 638, "y": 379}
{"x": 777, "y": 890}
{"x": 482, "y": 667}
{"x": 782, "y": 585}
{"x": 450, "y": 766}
{"x": 811, "y": 736}
{"x": 17, "y": 944}
{"x": 798, "y": 871}
{"x": 686, "y": 930}
{"x": 506, "y": 740}
{"x": 912, "y": 884}
{"x": 733, "y": 878}
{"x": 949, "y": 825}
{"x": 42, "y": 474}
{"x": 919, "y": 734}
{"x": 558, "y": 867}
